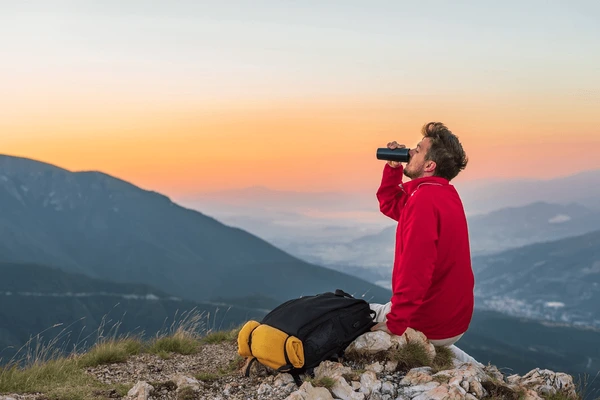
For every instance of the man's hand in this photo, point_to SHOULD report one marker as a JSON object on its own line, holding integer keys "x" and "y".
{"x": 381, "y": 326}
{"x": 394, "y": 145}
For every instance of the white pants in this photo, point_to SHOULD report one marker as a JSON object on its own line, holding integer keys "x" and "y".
{"x": 381, "y": 311}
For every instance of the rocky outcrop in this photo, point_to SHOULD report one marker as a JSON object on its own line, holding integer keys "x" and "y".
{"x": 467, "y": 382}
{"x": 373, "y": 369}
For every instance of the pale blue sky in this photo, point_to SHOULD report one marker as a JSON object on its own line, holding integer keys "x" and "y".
{"x": 307, "y": 48}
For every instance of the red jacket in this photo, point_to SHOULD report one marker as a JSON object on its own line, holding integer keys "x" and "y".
{"x": 432, "y": 280}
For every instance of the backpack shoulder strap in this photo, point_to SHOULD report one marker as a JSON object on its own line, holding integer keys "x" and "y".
{"x": 249, "y": 363}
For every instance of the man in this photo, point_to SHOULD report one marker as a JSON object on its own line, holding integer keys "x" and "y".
{"x": 432, "y": 279}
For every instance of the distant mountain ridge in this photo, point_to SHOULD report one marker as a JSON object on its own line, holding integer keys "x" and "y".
{"x": 556, "y": 280}
{"x": 104, "y": 227}
{"x": 36, "y": 298}
{"x": 486, "y": 196}
{"x": 494, "y": 232}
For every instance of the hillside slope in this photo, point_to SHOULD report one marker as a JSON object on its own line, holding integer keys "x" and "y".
{"x": 81, "y": 309}
{"x": 103, "y": 227}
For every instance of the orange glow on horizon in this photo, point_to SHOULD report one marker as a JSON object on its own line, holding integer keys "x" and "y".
{"x": 303, "y": 146}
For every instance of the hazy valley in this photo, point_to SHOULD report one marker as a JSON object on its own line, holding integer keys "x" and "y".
{"x": 86, "y": 250}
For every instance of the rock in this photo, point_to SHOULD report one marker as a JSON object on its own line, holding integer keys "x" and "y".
{"x": 390, "y": 366}
{"x": 465, "y": 385}
{"x": 355, "y": 385}
{"x": 417, "y": 376}
{"x": 369, "y": 383}
{"x": 546, "y": 382}
{"x": 264, "y": 388}
{"x": 342, "y": 390}
{"x": 141, "y": 391}
{"x": 283, "y": 380}
{"x": 417, "y": 389}
{"x": 331, "y": 370}
{"x": 375, "y": 367}
{"x": 476, "y": 389}
{"x": 388, "y": 388}
{"x": 413, "y": 336}
{"x": 183, "y": 381}
{"x": 308, "y": 392}
{"x": 513, "y": 379}
{"x": 531, "y": 394}
{"x": 494, "y": 373}
{"x": 443, "y": 392}
{"x": 439, "y": 392}
{"x": 227, "y": 389}
{"x": 456, "y": 392}
{"x": 371, "y": 342}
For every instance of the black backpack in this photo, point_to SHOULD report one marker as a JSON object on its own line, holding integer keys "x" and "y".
{"x": 299, "y": 334}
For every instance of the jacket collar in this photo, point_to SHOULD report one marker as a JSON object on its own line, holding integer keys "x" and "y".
{"x": 411, "y": 186}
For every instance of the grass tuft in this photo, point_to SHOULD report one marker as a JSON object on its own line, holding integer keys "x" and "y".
{"x": 110, "y": 351}
{"x": 207, "y": 377}
{"x": 411, "y": 355}
{"x": 323, "y": 381}
{"x": 582, "y": 387}
{"x": 187, "y": 393}
{"x": 354, "y": 375}
{"x": 181, "y": 342}
{"x": 443, "y": 359}
{"x": 221, "y": 336}
{"x": 57, "y": 379}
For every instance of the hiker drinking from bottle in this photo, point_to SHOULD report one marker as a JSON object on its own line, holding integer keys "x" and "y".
{"x": 432, "y": 279}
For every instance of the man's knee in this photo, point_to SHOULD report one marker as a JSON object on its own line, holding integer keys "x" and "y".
{"x": 381, "y": 310}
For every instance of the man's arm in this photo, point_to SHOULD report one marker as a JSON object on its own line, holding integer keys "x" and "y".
{"x": 391, "y": 196}
{"x": 413, "y": 274}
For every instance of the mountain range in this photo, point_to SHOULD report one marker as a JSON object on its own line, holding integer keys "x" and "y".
{"x": 553, "y": 280}
{"x": 486, "y": 196}
{"x": 346, "y": 230}
{"x": 65, "y": 311}
{"x": 72, "y": 310}
{"x": 106, "y": 228}
{"x": 371, "y": 256}
{"x": 556, "y": 280}
{"x": 86, "y": 250}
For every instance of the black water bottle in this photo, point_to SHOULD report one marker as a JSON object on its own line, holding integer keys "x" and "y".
{"x": 398, "y": 154}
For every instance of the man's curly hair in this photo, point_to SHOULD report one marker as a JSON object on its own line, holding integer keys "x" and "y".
{"x": 446, "y": 151}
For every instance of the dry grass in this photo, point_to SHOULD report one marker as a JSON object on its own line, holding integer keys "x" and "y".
{"x": 57, "y": 379}
{"x": 180, "y": 342}
{"x": 49, "y": 369}
{"x": 207, "y": 377}
{"x": 111, "y": 351}
{"x": 409, "y": 356}
{"x": 323, "y": 381}
{"x": 221, "y": 336}
{"x": 443, "y": 359}
{"x": 187, "y": 393}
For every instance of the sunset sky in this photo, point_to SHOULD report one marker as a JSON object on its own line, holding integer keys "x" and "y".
{"x": 192, "y": 96}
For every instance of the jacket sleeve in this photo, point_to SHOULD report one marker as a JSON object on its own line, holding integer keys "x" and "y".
{"x": 391, "y": 196}
{"x": 413, "y": 272}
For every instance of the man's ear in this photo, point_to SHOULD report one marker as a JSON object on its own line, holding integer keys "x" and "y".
{"x": 430, "y": 166}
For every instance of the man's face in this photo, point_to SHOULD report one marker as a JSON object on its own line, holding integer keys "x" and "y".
{"x": 417, "y": 165}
